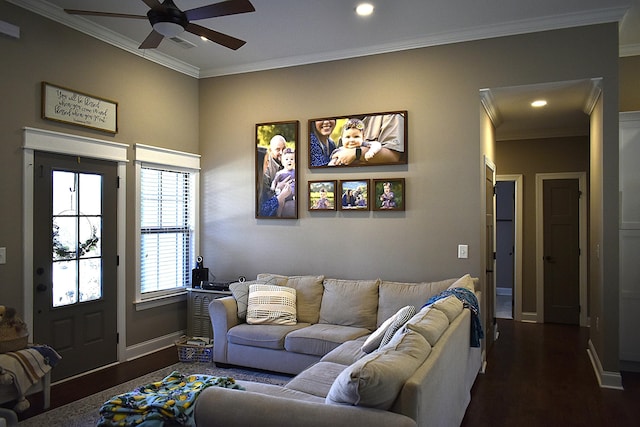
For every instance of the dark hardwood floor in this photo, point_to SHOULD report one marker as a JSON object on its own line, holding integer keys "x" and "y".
{"x": 537, "y": 375}
{"x": 541, "y": 375}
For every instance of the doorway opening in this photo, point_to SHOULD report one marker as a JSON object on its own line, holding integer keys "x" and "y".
{"x": 509, "y": 209}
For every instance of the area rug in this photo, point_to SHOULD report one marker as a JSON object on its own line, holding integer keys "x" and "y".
{"x": 85, "y": 412}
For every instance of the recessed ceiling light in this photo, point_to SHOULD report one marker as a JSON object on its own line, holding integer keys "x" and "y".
{"x": 204, "y": 39}
{"x": 539, "y": 103}
{"x": 364, "y": 9}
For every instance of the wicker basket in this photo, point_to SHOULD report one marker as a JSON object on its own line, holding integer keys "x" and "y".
{"x": 13, "y": 344}
{"x": 194, "y": 352}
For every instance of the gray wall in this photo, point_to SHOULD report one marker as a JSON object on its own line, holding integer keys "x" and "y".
{"x": 156, "y": 106}
{"x": 439, "y": 88}
{"x": 216, "y": 117}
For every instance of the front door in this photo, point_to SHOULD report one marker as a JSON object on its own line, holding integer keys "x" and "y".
{"x": 75, "y": 260}
{"x": 561, "y": 200}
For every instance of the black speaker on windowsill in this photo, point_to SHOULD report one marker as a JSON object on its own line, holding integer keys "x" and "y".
{"x": 199, "y": 275}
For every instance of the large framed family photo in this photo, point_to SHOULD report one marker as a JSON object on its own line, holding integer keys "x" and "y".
{"x": 358, "y": 140}
{"x": 276, "y": 161}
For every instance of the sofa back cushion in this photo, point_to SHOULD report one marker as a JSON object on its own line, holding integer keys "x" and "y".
{"x": 350, "y": 303}
{"x": 240, "y": 291}
{"x": 376, "y": 379}
{"x": 430, "y": 323}
{"x": 394, "y": 295}
{"x": 309, "y": 291}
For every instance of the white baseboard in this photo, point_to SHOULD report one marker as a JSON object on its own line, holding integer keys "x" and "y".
{"x": 151, "y": 346}
{"x": 504, "y": 291}
{"x": 606, "y": 379}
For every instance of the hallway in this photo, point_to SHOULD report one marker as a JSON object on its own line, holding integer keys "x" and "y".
{"x": 541, "y": 375}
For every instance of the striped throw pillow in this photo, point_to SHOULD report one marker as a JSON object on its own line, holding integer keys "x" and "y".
{"x": 271, "y": 305}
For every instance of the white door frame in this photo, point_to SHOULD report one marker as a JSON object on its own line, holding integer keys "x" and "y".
{"x": 582, "y": 179}
{"x": 517, "y": 259}
{"x": 73, "y": 145}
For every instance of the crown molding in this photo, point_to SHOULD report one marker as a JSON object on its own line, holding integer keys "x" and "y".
{"x": 632, "y": 49}
{"x": 524, "y": 26}
{"x": 488, "y": 102}
{"x": 594, "y": 94}
{"x": 599, "y": 16}
{"x": 85, "y": 26}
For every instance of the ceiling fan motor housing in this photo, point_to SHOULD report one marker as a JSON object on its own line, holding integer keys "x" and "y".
{"x": 168, "y": 14}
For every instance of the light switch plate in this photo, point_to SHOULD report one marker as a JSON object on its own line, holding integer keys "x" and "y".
{"x": 3, "y": 255}
{"x": 463, "y": 251}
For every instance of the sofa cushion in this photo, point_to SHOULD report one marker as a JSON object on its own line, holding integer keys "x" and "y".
{"x": 430, "y": 323}
{"x": 451, "y": 306}
{"x": 394, "y": 295}
{"x": 317, "y": 379}
{"x": 320, "y": 339}
{"x": 350, "y": 303}
{"x": 383, "y": 334}
{"x": 309, "y": 291}
{"x": 240, "y": 291}
{"x": 265, "y": 336}
{"x": 376, "y": 379}
{"x": 346, "y": 353}
{"x": 271, "y": 305}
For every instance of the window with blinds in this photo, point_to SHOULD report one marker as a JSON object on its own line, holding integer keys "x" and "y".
{"x": 166, "y": 229}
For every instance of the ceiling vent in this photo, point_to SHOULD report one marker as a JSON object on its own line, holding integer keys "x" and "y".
{"x": 182, "y": 42}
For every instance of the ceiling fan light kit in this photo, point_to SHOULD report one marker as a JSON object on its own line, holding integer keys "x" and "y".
{"x": 169, "y": 21}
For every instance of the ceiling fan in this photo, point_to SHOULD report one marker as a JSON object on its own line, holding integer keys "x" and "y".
{"x": 169, "y": 21}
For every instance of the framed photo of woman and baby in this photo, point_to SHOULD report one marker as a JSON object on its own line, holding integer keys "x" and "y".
{"x": 358, "y": 140}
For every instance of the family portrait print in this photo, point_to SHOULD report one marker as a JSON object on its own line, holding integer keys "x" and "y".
{"x": 358, "y": 140}
{"x": 322, "y": 195}
{"x": 389, "y": 194}
{"x": 276, "y": 163}
{"x": 354, "y": 195}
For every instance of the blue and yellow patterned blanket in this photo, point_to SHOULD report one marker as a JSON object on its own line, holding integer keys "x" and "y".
{"x": 166, "y": 402}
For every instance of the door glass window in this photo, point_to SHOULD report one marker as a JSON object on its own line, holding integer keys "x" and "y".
{"x": 77, "y": 228}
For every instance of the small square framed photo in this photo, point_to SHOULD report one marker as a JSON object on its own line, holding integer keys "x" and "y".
{"x": 354, "y": 195}
{"x": 322, "y": 195}
{"x": 388, "y": 194}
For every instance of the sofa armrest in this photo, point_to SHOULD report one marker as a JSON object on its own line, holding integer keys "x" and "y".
{"x": 224, "y": 316}
{"x": 239, "y": 408}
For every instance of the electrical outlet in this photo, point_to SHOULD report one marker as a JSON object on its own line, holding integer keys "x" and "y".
{"x": 463, "y": 251}
{"x": 3, "y": 255}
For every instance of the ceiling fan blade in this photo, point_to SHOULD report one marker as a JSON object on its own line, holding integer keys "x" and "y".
{"x": 153, "y": 4}
{"x": 214, "y": 36}
{"x": 93, "y": 13}
{"x": 152, "y": 41}
{"x": 229, "y": 7}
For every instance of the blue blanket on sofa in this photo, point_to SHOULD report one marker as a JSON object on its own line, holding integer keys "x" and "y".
{"x": 469, "y": 301}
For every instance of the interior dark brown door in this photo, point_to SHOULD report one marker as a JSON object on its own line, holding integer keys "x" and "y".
{"x": 561, "y": 199}
{"x": 75, "y": 260}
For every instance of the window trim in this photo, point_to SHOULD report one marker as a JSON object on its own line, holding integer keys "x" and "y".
{"x": 156, "y": 157}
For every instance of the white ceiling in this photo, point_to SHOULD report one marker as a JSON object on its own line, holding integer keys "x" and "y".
{"x": 283, "y": 33}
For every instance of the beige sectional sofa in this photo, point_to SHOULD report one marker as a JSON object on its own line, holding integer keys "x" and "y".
{"x": 365, "y": 352}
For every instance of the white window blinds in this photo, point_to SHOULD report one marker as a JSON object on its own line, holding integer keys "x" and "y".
{"x": 166, "y": 229}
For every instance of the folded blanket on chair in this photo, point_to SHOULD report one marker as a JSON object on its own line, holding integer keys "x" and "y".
{"x": 168, "y": 401}
{"x": 27, "y": 366}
